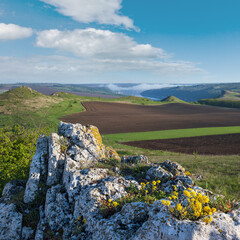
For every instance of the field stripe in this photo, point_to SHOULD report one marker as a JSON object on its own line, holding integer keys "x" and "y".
{"x": 175, "y": 133}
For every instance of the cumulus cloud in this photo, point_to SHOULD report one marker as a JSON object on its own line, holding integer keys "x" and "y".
{"x": 87, "y": 11}
{"x": 13, "y": 32}
{"x": 96, "y": 43}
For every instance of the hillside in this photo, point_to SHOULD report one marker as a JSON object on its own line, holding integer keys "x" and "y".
{"x": 172, "y": 99}
{"x": 88, "y": 90}
{"x": 30, "y": 108}
{"x": 192, "y": 93}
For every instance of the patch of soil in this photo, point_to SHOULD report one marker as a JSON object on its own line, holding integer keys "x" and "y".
{"x": 124, "y": 118}
{"x": 227, "y": 144}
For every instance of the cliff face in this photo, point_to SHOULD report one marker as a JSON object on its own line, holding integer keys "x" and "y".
{"x": 65, "y": 191}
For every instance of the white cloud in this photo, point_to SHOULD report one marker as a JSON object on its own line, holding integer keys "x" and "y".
{"x": 13, "y": 32}
{"x": 101, "y": 44}
{"x": 87, "y": 11}
{"x": 67, "y": 69}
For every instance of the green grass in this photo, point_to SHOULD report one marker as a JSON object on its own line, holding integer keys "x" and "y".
{"x": 220, "y": 174}
{"x": 221, "y": 102}
{"x": 176, "y": 133}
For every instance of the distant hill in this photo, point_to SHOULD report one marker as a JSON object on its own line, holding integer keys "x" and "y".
{"x": 172, "y": 99}
{"x": 193, "y": 93}
{"x": 228, "y": 99}
{"x": 88, "y": 90}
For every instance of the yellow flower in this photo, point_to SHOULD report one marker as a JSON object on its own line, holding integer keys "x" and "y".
{"x": 84, "y": 221}
{"x": 158, "y": 181}
{"x": 170, "y": 198}
{"x": 166, "y": 202}
{"x": 175, "y": 187}
{"x": 174, "y": 197}
{"x": 214, "y": 210}
{"x": 115, "y": 204}
{"x": 154, "y": 183}
{"x": 205, "y": 199}
{"x": 179, "y": 207}
{"x": 147, "y": 182}
{"x": 171, "y": 210}
{"x": 207, "y": 219}
{"x": 175, "y": 193}
{"x": 187, "y": 173}
{"x": 187, "y": 193}
{"x": 193, "y": 194}
{"x": 146, "y": 191}
{"x": 109, "y": 200}
{"x": 207, "y": 209}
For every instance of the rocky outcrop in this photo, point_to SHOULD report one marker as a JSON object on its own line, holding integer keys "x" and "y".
{"x": 68, "y": 186}
{"x": 134, "y": 159}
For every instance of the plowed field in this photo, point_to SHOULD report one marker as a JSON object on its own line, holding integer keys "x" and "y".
{"x": 124, "y": 118}
{"x": 227, "y": 144}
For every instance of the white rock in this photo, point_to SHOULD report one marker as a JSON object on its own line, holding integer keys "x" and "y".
{"x": 162, "y": 225}
{"x": 38, "y": 169}
{"x": 10, "y": 222}
{"x": 56, "y": 160}
{"x": 27, "y": 233}
{"x": 57, "y": 209}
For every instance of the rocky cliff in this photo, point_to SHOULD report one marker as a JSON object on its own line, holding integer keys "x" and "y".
{"x": 71, "y": 195}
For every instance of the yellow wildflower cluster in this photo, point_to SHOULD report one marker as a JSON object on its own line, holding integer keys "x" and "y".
{"x": 112, "y": 203}
{"x": 197, "y": 206}
{"x": 150, "y": 186}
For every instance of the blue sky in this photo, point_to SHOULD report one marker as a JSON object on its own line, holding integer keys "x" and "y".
{"x": 111, "y": 41}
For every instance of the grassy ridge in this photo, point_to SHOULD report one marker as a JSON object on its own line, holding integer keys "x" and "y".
{"x": 175, "y": 133}
{"x": 221, "y": 102}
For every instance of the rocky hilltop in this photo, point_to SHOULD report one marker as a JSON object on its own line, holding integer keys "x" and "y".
{"x": 70, "y": 195}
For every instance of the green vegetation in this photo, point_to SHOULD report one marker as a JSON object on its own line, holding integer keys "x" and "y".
{"x": 172, "y": 99}
{"x": 176, "y": 133}
{"x": 17, "y": 147}
{"x": 220, "y": 174}
{"x": 221, "y": 102}
{"x": 149, "y": 193}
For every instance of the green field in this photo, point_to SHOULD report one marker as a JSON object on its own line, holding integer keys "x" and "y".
{"x": 176, "y": 133}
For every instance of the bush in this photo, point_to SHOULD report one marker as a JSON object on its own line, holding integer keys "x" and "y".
{"x": 17, "y": 147}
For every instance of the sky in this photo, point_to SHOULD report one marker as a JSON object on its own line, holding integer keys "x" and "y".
{"x": 120, "y": 41}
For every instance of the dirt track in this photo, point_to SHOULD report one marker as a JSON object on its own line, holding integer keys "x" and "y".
{"x": 214, "y": 145}
{"x": 123, "y": 118}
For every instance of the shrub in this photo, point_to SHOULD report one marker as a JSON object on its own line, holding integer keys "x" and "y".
{"x": 17, "y": 146}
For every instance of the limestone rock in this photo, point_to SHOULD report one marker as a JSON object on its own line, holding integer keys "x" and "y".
{"x": 27, "y": 233}
{"x": 134, "y": 159}
{"x": 12, "y": 188}
{"x": 57, "y": 208}
{"x": 38, "y": 169}
{"x": 162, "y": 225}
{"x": 56, "y": 160}
{"x": 158, "y": 173}
{"x": 10, "y": 222}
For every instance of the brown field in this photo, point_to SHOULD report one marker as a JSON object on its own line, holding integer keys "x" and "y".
{"x": 123, "y": 118}
{"x": 227, "y": 144}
